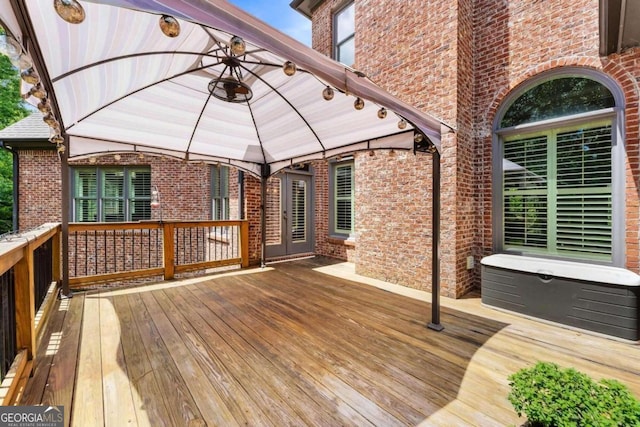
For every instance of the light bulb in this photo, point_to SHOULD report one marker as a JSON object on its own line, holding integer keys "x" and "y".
{"x": 69, "y": 10}
{"x": 237, "y": 46}
{"x": 30, "y": 76}
{"x": 402, "y": 124}
{"x": 327, "y": 93}
{"x": 289, "y": 68}
{"x": 382, "y": 113}
{"x": 169, "y": 26}
{"x": 358, "y": 104}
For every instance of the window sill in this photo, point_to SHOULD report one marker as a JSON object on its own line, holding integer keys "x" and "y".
{"x": 342, "y": 241}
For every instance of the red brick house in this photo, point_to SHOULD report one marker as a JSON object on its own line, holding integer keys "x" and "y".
{"x": 542, "y": 98}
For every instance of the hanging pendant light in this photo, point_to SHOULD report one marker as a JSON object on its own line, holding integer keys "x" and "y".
{"x": 237, "y": 46}
{"x": 69, "y": 10}
{"x": 289, "y": 68}
{"x": 402, "y": 124}
{"x": 169, "y": 26}
{"x": 327, "y": 93}
{"x": 382, "y": 113}
{"x": 30, "y": 75}
{"x": 418, "y": 138}
{"x": 358, "y": 104}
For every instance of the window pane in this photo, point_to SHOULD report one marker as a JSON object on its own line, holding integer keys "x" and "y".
{"x": 220, "y": 192}
{"x": 86, "y": 184}
{"x": 346, "y": 52}
{"x": 525, "y": 163}
{"x": 140, "y": 210}
{"x": 557, "y": 98}
{"x": 345, "y": 23}
{"x": 139, "y": 195}
{"x": 86, "y": 210}
{"x": 343, "y": 216}
{"x": 85, "y": 195}
{"x": 525, "y": 219}
{"x": 584, "y": 208}
{"x": 584, "y": 222}
{"x": 299, "y": 214}
{"x": 344, "y": 43}
{"x": 274, "y": 211}
{"x": 584, "y": 158}
{"x": 344, "y": 185}
{"x": 113, "y": 195}
{"x": 343, "y": 194}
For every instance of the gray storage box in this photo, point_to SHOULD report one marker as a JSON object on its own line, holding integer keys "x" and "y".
{"x": 597, "y": 298}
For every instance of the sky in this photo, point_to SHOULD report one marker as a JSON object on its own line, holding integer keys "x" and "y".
{"x": 280, "y": 15}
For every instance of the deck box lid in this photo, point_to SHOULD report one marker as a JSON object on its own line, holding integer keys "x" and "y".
{"x": 566, "y": 269}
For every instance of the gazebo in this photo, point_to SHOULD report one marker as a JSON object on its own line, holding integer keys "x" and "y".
{"x": 203, "y": 82}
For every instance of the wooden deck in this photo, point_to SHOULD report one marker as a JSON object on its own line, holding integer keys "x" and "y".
{"x": 292, "y": 345}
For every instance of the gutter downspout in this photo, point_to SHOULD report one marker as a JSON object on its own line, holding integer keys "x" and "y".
{"x": 15, "y": 224}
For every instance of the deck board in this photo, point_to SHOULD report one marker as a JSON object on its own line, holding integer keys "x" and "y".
{"x": 290, "y": 345}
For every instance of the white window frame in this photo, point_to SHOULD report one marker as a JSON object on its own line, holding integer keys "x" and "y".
{"x": 616, "y": 117}
{"x": 101, "y": 198}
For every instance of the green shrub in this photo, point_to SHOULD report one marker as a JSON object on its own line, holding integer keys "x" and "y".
{"x": 551, "y": 396}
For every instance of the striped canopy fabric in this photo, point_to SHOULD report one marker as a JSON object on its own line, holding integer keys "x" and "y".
{"x": 118, "y": 84}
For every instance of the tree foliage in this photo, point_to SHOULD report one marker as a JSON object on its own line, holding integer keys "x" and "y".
{"x": 12, "y": 109}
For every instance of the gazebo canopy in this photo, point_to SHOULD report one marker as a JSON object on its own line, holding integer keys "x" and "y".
{"x": 117, "y": 83}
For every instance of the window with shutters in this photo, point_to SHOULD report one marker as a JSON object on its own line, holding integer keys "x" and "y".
{"x": 342, "y": 200}
{"x": 344, "y": 24}
{"x": 111, "y": 194}
{"x": 557, "y": 164}
{"x": 220, "y": 192}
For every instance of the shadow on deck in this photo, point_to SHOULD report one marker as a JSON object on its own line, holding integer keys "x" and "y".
{"x": 290, "y": 345}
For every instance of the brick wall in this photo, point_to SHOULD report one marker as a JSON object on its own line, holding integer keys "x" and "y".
{"x": 517, "y": 40}
{"x": 40, "y": 188}
{"x": 419, "y": 51}
{"x": 325, "y": 245}
{"x": 458, "y": 61}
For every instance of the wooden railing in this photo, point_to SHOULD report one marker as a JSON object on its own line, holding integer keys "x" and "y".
{"x": 29, "y": 271}
{"x": 107, "y": 252}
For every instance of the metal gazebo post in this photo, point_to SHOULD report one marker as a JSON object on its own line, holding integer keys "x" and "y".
{"x": 265, "y": 171}
{"x": 435, "y": 244}
{"x": 66, "y": 203}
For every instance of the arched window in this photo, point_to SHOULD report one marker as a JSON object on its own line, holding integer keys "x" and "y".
{"x": 559, "y": 169}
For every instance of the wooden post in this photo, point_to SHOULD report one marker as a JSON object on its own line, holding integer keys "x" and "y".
{"x": 25, "y": 304}
{"x": 244, "y": 243}
{"x": 168, "y": 231}
{"x": 56, "y": 249}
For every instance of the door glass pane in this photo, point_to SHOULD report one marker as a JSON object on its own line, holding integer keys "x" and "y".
{"x": 299, "y": 211}
{"x": 274, "y": 212}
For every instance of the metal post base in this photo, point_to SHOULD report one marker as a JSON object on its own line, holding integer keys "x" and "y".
{"x": 62, "y": 296}
{"x": 435, "y": 326}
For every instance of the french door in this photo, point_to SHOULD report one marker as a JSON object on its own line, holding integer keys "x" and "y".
{"x": 289, "y": 214}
